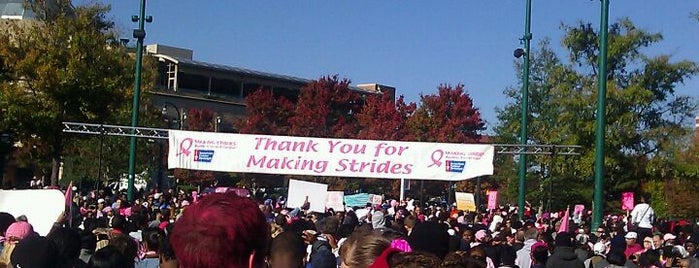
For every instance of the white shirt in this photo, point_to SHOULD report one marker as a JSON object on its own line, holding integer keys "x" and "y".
{"x": 644, "y": 215}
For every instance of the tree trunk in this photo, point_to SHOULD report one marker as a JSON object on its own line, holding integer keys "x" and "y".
{"x": 55, "y": 167}
{"x": 57, "y": 147}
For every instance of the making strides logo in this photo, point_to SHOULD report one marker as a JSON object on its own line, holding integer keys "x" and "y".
{"x": 452, "y": 161}
{"x": 205, "y": 156}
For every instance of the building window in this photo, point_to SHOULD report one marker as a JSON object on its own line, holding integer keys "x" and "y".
{"x": 193, "y": 82}
{"x": 225, "y": 87}
{"x": 250, "y": 88}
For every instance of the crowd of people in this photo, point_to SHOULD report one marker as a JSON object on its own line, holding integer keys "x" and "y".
{"x": 104, "y": 230}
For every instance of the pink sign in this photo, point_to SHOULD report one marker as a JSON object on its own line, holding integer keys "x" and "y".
{"x": 492, "y": 199}
{"x": 578, "y": 209}
{"x": 627, "y": 201}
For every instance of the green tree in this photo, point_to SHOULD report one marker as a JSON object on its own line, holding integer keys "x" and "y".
{"x": 68, "y": 67}
{"x": 644, "y": 114}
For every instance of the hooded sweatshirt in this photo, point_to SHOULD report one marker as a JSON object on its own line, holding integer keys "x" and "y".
{"x": 524, "y": 258}
{"x": 564, "y": 257}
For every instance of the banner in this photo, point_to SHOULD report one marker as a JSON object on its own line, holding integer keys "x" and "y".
{"x": 492, "y": 199}
{"x": 357, "y": 200}
{"x": 302, "y": 191}
{"x": 42, "y": 207}
{"x": 465, "y": 201}
{"x": 335, "y": 200}
{"x": 627, "y": 202}
{"x": 228, "y": 152}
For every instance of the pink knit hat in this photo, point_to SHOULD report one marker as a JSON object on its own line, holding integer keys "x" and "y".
{"x": 18, "y": 231}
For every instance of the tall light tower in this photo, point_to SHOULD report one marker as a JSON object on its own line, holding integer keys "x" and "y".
{"x": 597, "y": 206}
{"x": 139, "y": 34}
{"x": 526, "y": 39}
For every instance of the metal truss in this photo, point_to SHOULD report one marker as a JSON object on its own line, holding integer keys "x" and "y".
{"x": 114, "y": 130}
{"x": 535, "y": 149}
{"x": 160, "y": 133}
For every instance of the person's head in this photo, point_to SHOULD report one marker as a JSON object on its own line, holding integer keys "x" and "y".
{"x": 531, "y": 234}
{"x": 658, "y": 241}
{"x": 109, "y": 257}
{"x": 410, "y": 222}
{"x": 616, "y": 257}
{"x": 287, "y": 251}
{"x": 413, "y": 260}
{"x": 221, "y": 230}
{"x": 539, "y": 253}
{"x": 669, "y": 239}
{"x": 328, "y": 225}
{"x": 362, "y": 249}
{"x": 68, "y": 242}
{"x": 17, "y": 231}
{"x": 467, "y": 235}
{"x": 648, "y": 243}
{"x": 6, "y": 219}
{"x": 36, "y": 252}
{"x": 630, "y": 238}
{"x": 691, "y": 244}
{"x": 153, "y": 238}
{"x": 118, "y": 222}
{"x": 564, "y": 239}
{"x": 125, "y": 245}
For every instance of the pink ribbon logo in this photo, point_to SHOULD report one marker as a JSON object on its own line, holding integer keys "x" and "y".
{"x": 185, "y": 146}
{"x": 437, "y": 156}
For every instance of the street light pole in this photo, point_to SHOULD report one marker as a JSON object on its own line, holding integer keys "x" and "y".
{"x": 601, "y": 115}
{"x": 139, "y": 34}
{"x": 525, "y": 105}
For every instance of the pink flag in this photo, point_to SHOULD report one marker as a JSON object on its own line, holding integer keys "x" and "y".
{"x": 195, "y": 196}
{"x": 564, "y": 222}
{"x": 69, "y": 203}
{"x": 492, "y": 199}
{"x": 627, "y": 201}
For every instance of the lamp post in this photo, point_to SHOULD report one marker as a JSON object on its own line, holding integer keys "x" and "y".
{"x": 178, "y": 123}
{"x": 601, "y": 116}
{"x": 139, "y": 34}
{"x": 525, "y": 103}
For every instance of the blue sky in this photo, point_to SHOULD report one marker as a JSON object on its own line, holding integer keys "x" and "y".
{"x": 411, "y": 45}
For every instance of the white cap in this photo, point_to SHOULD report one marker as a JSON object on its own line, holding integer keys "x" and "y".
{"x": 631, "y": 235}
{"x": 599, "y": 248}
{"x": 100, "y": 201}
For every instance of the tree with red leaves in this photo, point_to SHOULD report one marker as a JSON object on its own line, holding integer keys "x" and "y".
{"x": 266, "y": 114}
{"x": 326, "y": 108}
{"x": 198, "y": 120}
{"x": 448, "y": 116}
{"x": 382, "y": 118}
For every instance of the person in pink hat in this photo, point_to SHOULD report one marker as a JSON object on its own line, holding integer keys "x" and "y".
{"x": 15, "y": 232}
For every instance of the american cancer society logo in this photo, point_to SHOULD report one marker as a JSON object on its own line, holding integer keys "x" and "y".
{"x": 455, "y": 166}
{"x": 204, "y": 156}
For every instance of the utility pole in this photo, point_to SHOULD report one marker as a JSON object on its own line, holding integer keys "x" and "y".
{"x": 525, "y": 113}
{"x": 139, "y": 34}
{"x": 601, "y": 116}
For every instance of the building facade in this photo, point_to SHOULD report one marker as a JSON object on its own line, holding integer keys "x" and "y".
{"x": 183, "y": 83}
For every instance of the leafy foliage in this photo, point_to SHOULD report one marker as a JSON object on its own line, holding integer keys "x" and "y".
{"x": 64, "y": 68}
{"x": 644, "y": 115}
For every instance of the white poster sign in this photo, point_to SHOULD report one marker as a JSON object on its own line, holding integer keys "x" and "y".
{"x": 42, "y": 207}
{"x": 302, "y": 191}
{"x": 336, "y": 200}
{"x": 465, "y": 201}
{"x": 228, "y": 152}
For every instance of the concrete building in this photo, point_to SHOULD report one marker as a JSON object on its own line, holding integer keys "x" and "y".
{"x": 184, "y": 83}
